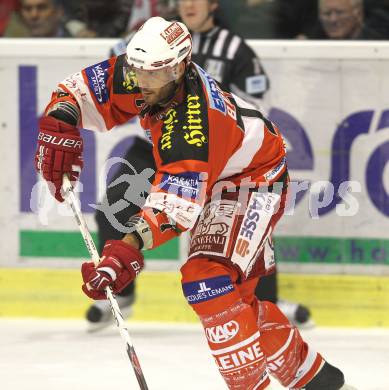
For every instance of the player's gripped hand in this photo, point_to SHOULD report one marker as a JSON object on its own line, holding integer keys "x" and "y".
{"x": 120, "y": 264}
{"x": 59, "y": 151}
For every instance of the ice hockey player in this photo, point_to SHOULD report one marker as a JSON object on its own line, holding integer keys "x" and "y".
{"x": 228, "y": 59}
{"x": 221, "y": 173}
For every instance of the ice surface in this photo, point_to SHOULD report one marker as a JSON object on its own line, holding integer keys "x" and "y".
{"x": 60, "y": 355}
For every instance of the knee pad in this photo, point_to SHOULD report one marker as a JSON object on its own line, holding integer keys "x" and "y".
{"x": 230, "y": 325}
{"x": 289, "y": 359}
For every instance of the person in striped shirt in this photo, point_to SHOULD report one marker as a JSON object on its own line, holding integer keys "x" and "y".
{"x": 222, "y": 53}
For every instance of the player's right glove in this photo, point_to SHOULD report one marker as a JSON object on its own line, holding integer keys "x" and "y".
{"x": 59, "y": 151}
{"x": 120, "y": 265}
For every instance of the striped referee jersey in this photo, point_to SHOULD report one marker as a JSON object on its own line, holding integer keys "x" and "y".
{"x": 230, "y": 61}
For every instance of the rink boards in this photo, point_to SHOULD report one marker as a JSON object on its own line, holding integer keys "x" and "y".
{"x": 331, "y": 101}
{"x": 345, "y": 301}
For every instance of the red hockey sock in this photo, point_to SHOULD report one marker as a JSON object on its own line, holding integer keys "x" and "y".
{"x": 234, "y": 340}
{"x": 230, "y": 324}
{"x": 289, "y": 359}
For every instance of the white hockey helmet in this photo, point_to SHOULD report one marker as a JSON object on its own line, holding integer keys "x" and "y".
{"x": 159, "y": 43}
{"x": 155, "y": 50}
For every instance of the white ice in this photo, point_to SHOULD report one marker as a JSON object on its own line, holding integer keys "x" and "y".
{"x": 60, "y": 355}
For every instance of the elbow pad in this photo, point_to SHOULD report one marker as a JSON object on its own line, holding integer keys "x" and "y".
{"x": 64, "y": 108}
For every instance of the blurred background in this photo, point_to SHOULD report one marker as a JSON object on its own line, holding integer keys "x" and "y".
{"x": 328, "y": 66}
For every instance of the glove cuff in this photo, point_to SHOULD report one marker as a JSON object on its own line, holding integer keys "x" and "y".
{"x": 130, "y": 257}
{"x": 53, "y": 124}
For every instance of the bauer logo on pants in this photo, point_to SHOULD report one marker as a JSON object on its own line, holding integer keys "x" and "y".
{"x": 204, "y": 290}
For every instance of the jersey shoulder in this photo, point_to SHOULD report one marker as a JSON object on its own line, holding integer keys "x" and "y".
{"x": 96, "y": 77}
{"x": 102, "y": 94}
{"x": 110, "y": 76}
{"x": 113, "y": 71}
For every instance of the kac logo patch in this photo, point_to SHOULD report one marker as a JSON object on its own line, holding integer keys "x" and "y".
{"x": 97, "y": 76}
{"x": 206, "y": 289}
{"x": 222, "y": 333}
{"x": 186, "y": 184}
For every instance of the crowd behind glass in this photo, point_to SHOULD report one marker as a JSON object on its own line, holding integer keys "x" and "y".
{"x": 261, "y": 19}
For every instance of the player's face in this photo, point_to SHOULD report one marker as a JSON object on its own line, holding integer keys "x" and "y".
{"x": 154, "y": 96}
{"x": 196, "y": 14}
{"x": 341, "y": 19}
{"x": 158, "y": 85}
{"x": 155, "y": 79}
{"x": 42, "y": 17}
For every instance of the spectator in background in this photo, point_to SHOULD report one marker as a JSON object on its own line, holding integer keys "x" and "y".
{"x": 38, "y": 18}
{"x": 314, "y": 19}
{"x": 7, "y": 7}
{"x": 341, "y": 19}
{"x": 346, "y": 19}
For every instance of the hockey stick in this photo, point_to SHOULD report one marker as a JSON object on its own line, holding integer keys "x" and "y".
{"x": 73, "y": 203}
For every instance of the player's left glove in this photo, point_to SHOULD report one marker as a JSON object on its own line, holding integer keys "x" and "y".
{"x": 120, "y": 265}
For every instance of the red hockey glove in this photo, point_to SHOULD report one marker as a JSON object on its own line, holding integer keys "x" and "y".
{"x": 59, "y": 152}
{"x": 120, "y": 264}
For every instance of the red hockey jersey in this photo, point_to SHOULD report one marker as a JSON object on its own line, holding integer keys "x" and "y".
{"x": 205, "y": 140}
